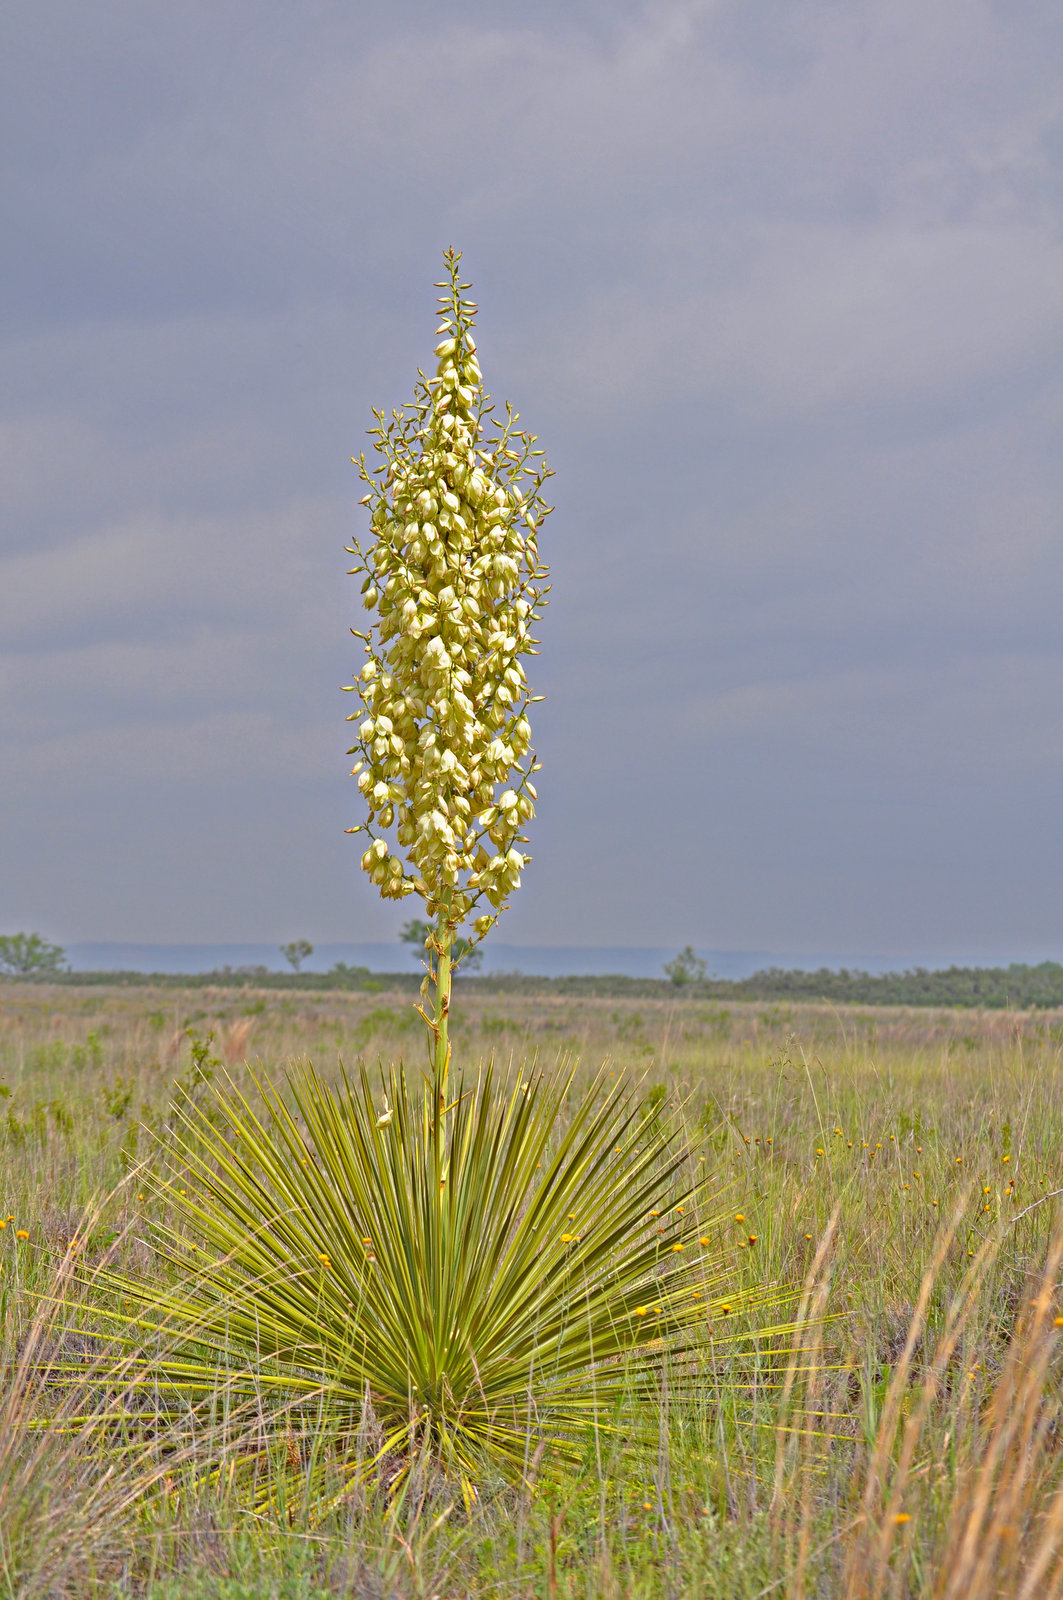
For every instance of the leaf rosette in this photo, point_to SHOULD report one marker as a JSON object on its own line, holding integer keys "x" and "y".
{"x": 512, "y": 1286}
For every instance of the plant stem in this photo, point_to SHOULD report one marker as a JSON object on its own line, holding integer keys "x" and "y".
{"x": 440, "y": 946}
{"x": 444, "y": 939}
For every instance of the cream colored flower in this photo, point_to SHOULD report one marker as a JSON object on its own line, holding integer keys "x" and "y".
{"x": 452, "y": 578}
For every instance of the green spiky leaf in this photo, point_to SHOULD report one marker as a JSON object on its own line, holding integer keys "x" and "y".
{"x": 524, "y": 1276}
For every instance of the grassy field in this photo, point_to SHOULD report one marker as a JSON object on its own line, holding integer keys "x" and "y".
{"x": 900, "y": 1169}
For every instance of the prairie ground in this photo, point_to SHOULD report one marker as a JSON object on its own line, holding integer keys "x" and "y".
{"x": 899, "y": 1168}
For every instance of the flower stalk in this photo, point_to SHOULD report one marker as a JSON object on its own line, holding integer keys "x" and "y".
{"x": 440, "y": 946}
{"x": 452, "y": 579}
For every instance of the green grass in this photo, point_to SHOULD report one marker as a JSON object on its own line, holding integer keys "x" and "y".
{"x": 893, "y": 1122}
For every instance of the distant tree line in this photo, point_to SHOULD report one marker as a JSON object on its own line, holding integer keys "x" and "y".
{"x": 1018, "y": 987}
{"x": 993, "y": 988}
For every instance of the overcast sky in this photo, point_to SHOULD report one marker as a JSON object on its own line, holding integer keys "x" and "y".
{"x": 779, "y": 284}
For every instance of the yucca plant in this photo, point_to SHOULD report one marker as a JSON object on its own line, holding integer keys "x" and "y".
{"x": 515, "y": 1296}
{"x": 479, "y": 1269}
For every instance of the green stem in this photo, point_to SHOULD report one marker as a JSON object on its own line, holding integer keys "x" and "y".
{"x": 444, "y": 939}
{"x": 440, "y": 946}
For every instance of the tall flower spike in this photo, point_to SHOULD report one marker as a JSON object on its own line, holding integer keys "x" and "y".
{"x": 452, "y": 579}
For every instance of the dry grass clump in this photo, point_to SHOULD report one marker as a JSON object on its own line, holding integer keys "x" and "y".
{"x": 959, "y": 1489}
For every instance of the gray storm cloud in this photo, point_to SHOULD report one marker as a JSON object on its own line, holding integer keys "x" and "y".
{"x": 781, "y": 289}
